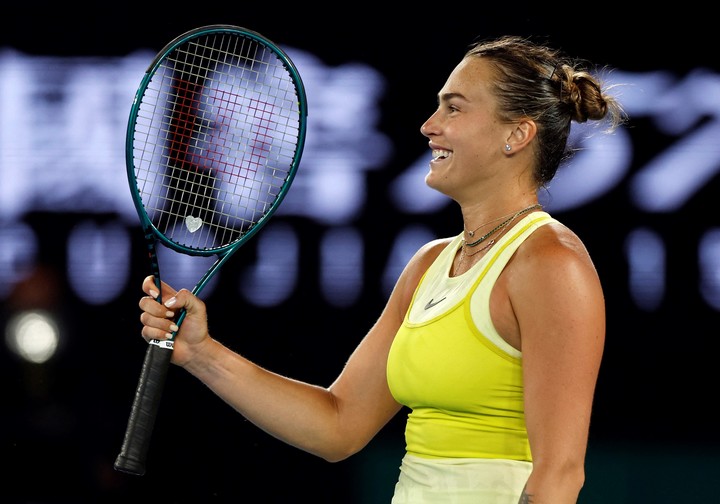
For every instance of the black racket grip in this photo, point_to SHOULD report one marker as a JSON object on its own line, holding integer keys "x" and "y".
{"x": 144, "y": 410}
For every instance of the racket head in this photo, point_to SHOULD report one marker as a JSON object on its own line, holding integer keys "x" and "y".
{"x": 215, "y": 137}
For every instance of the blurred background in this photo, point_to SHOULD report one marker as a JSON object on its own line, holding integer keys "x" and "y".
{"x": 302, "y": 293}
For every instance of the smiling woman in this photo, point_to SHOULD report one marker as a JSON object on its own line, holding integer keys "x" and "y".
{"x": 359, "y": 210}
{"x": 516, "y": 325}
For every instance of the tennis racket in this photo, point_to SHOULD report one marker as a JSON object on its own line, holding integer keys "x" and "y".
{"x": 214, "y": 139}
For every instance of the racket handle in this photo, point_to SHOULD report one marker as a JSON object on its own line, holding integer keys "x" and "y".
{"x": 144, "y": 410}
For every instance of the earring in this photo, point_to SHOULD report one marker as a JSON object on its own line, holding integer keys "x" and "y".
{"x": 508, "y": 147}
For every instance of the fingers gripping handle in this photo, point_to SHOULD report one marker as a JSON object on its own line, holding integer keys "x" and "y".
{"x": 144, "y": 409}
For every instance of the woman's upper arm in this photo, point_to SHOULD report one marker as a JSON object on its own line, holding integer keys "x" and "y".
{"x": 561, "y": 315}
{"x": 361, "y": 391}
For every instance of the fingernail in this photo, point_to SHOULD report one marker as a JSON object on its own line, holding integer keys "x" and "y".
{"x": 170, "y": 302}
{"x": 154, "y": 293}
{"x": 169, "y": 314}
{"x": 174, "y": 328}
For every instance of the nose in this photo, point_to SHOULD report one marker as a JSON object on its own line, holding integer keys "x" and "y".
{"x": 428, "y": 128}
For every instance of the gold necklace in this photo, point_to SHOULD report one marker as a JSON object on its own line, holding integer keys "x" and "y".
{"x": 499, "y": 226}
{"x": 472, "y": 233}
{"x": 484, "y": 247}
{"x": 464, "y": 255}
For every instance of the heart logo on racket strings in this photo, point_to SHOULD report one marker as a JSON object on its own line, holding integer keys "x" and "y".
{"x": 193, "y": 223}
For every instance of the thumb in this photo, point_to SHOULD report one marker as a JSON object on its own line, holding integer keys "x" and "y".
{"x": 183, "y": 299}
{"x": 192, "y": 305}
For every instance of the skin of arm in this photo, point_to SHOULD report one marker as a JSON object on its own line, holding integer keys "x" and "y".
{"x": 332, "y": 423}
{"x": 550, "y": 301}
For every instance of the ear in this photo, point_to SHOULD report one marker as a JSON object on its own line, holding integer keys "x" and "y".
{"x": 522, "y": 135}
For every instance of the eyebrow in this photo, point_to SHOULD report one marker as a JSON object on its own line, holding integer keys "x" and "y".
{"x": 449, "y": 96}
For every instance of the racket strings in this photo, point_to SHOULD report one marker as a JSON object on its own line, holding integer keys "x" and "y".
{"x": 215, "y": 139}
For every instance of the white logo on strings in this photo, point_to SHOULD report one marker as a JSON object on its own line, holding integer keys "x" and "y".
{"x": 193, "y": 223}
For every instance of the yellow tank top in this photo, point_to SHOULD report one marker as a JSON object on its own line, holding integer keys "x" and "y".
{"x": 461, "y": 380}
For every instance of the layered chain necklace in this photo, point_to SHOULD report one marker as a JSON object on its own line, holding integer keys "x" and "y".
{"x": 496, "y": 229}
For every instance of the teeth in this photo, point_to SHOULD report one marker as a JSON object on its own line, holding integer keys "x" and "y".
{"x": 440, "y": 154}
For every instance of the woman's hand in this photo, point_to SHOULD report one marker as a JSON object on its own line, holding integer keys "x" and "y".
{"x": 159, "y": 320}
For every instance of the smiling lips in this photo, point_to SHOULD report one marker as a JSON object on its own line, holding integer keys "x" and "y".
{"x": 439, "y": 154}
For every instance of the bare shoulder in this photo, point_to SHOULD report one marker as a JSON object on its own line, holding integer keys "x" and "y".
{"x": 554, "y": 290}
{"x": 430, "y": 251}
{"x": 423, "y": 258}
{"x": 549, "y": 286}
{"x": 552, "y": 263}
{"x": 554, "y": 246}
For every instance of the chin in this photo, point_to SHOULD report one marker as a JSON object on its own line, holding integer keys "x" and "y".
{"x": 433, "y": 181}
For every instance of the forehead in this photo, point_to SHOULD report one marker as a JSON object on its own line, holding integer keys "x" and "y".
{"x": 470, "y": 78}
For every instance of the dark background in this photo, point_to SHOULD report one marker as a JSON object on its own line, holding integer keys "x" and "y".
{"x": 654, "y": 432}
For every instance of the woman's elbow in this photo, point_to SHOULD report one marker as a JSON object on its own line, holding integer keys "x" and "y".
{"x": 341, "y": 449}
